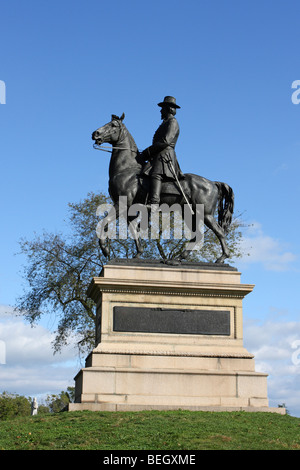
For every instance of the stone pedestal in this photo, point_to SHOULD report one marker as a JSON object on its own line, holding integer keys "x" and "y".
{"x": 170, "y": 337}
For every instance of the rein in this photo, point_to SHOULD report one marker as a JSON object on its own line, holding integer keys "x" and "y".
{"x": 97, "y": 147}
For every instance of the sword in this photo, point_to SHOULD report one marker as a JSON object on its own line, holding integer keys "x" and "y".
{"x": 180, "y": 187}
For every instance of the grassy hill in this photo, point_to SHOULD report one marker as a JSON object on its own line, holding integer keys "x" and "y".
{"x": 151, "y": 430}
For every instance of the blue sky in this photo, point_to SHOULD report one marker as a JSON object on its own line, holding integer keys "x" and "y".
{"x": 69, "y": 65}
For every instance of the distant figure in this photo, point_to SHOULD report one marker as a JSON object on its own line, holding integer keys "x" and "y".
{"x": 34, "y": 407}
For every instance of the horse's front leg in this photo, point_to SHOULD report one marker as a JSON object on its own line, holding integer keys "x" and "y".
{"x": 104, "y": 231}
{"x": 137, "y": 220}
{"x": 133, "y": 228}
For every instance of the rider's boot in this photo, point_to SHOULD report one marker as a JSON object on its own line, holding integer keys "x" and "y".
{"x": 156, "y": 184}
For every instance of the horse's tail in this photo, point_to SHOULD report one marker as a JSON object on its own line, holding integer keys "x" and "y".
{"x": 225, "y": 205}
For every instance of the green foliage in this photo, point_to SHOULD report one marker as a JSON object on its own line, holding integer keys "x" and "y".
{"x": 152, "y": 430}
{"x": 57, "y": 403}
{"x": 60, "y": 268}
{"x": 13, "y": 405}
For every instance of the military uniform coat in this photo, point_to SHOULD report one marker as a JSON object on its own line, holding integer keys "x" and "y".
{"x": 162, "y": 151}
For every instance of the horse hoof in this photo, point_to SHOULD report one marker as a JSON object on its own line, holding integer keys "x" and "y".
{"x": 172, "y": 262}
{"x": 185, "y": 255}
{"x": 220, "y": 260}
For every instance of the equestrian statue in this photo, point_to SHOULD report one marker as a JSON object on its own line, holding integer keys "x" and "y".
{"x": 154, "y": 177}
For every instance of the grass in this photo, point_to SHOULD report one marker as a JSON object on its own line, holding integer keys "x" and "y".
{"x": 152, "y": 430}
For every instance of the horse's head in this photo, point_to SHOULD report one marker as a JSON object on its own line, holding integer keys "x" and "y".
{"x": 110, "y": 132}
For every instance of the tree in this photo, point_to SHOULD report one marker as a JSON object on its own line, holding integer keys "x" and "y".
{"x": 60, "y": 268}
{"x": 13, "y": 405}
{"x": 57, "y": 403}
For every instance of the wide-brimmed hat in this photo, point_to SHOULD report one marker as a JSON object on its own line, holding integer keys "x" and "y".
{"x": 170, "y": 101}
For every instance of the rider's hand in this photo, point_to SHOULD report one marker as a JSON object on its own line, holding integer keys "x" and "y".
{"x": 145, "y": 155}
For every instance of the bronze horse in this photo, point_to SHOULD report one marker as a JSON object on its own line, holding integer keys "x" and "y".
{"x": 125, "y": 180}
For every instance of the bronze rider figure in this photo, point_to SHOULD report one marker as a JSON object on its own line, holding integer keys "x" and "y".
{"x": 160, "y": 156}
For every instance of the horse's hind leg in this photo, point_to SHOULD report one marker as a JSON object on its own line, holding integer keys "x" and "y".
{"x": 211, "y": 223}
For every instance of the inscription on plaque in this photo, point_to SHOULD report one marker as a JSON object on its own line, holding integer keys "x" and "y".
{"x": 172, "y": 321}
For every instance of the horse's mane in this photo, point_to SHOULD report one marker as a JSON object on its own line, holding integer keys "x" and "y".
{"x": 132, "y": 143}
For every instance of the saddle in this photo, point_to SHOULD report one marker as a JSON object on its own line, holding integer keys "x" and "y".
{"x": 168, "y": 187}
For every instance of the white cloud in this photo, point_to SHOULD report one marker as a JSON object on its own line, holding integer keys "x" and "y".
{"x": 276, "y": 347}
{"x": 30, "y": 367}
{"x": 280, "y": 168}
{"x": 270, "y": 252}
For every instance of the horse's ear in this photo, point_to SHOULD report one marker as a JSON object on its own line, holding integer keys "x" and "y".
{"x": 114, "y": 117}
{"x": 122, "y": 117}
